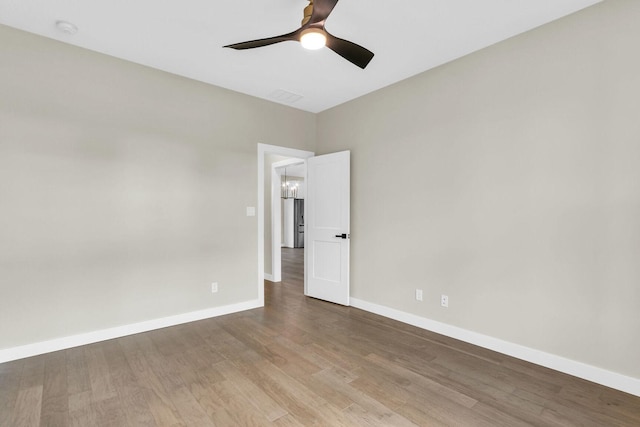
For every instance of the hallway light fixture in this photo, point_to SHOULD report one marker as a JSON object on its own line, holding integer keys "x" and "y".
{"x": 289, "y": 190}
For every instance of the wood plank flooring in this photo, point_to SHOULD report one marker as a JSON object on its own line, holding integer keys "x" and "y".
{"x": 298, "y": 362}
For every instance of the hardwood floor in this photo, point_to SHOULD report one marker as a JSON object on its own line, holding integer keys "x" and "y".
{"x": 298, "y": 361}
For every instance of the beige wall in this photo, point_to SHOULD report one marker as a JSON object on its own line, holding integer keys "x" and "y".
{"x": 123, "y": 190}
{"x": 509, "y": 180}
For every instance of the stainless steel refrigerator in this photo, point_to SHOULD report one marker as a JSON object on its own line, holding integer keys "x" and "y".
{"x": 298, "y": 223}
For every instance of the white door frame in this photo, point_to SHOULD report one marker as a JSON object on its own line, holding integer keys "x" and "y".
{"x": 276, "y": 213}
{"x": 263, "y": 150}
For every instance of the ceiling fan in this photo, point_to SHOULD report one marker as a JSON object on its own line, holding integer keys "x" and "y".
{"x": 312, "y": 35}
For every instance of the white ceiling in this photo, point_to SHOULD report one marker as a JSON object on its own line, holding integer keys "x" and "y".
{"x": 186, "y": 37}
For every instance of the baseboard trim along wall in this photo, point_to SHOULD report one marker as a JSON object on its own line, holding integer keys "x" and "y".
{"x": 268, "y": 277}
{"x": 577, "y": 369}
{"x": 57, "y": 344}
{"x": 558, "y": 363}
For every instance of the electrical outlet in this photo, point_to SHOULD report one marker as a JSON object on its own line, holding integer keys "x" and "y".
{"x": 419, "y": 294}
{"x": 444, "y": 300}
{"x": 214, "y": 287}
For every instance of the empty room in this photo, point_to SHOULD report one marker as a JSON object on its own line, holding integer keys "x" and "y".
{"x": 330, "y": 213}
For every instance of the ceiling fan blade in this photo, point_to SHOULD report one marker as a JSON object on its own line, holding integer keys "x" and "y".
{"x": 294, "y": 36}
{"x": 350, "y": 51}
{"x": 321, "y": 10}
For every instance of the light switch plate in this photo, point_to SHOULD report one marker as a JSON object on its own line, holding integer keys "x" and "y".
{"x": 251, "y": 211}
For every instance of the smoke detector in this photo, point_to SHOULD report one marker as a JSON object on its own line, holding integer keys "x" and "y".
{"x": 66, "y": 27}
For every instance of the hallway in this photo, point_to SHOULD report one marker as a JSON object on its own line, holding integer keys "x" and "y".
{"x": 293, "y": 266}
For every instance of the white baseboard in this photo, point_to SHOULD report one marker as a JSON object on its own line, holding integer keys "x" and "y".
{"x": 9, "y": 354}
{"x": 268, "y": 277}
{"x": 577, "y": 369}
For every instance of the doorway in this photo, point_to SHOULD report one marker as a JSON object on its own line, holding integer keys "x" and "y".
{"x": 267, "y": 155}
{"x": 327, "y": 222}
{"x": 288, "y": 191}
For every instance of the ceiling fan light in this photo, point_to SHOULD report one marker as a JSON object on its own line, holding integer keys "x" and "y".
{"x": 313, "y": 39}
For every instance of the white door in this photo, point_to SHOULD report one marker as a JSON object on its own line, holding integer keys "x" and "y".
{"x": 327, "y": 229}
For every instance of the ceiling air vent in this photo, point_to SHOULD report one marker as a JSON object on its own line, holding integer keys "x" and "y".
{"x": 284, "y": 96}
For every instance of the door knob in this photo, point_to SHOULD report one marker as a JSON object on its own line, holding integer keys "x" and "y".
{"x": 342, "y": 236}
